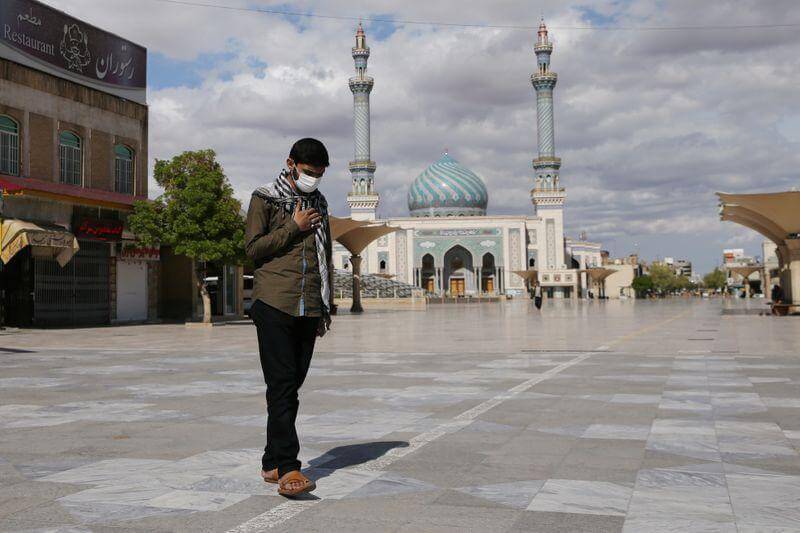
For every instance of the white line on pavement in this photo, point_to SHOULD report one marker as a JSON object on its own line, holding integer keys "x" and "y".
{"x": 289, "y": 509}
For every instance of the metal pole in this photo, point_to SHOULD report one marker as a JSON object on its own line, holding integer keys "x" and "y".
{"x": 355, "y": 260}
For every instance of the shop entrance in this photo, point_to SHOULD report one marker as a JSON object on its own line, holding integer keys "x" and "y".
{"x": 16, "y": 282}
{"x": 131, "y": 291}
{"x": 76, "y": 294}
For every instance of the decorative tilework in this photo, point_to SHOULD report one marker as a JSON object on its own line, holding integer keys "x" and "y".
{"x": 402, "y": 256}
{"x": 551, "y": 243}
{"x": 515, "y": 261}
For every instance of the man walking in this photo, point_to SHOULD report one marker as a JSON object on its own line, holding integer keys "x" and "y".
{"x": 288, "y": 238}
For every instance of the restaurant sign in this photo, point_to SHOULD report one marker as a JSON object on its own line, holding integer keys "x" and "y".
{"x": 98, "y": 230}
{"x": 51, "y": 37}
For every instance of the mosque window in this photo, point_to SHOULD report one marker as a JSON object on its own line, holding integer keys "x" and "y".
{"x": 383, "y": 266}
{"x": 9, "y": 146}
{"x": 531, "y": 262}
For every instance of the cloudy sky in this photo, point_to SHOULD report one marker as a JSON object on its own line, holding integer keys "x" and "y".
{"x": 648, "y": 123}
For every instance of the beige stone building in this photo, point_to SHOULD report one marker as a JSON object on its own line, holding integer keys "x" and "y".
{"x": 73, "y": 160}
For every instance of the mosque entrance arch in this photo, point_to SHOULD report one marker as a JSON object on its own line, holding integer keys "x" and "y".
{"x": 428, "y": 274}
{"x": 458, "y": 271}
{"x": 488, "y": 273}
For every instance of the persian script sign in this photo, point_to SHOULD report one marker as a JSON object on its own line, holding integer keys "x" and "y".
{"x": 140, "y": 253}
{"x": 101, "y": 230}
{"x": 52, "y": 37}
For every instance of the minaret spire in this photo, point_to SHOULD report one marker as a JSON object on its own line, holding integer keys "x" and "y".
{"x": 363, "y": 199}
{"x": 547, "y": 189}
{"x": 547, "y": 195}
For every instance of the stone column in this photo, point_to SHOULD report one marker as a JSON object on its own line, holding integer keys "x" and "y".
{"x": 355, "y": 260}
{"x": 790, "y": 276}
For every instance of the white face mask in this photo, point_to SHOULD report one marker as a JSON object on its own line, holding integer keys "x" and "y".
{"x": 306, "y": 183}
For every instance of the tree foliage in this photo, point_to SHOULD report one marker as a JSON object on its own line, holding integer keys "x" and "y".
{"x": 643, "y": 285}
{"x": 197, "y": 215}
{"x": 715, "y": 279}
{"x": 666, "y": 281}
{"x": 663, "y": 278}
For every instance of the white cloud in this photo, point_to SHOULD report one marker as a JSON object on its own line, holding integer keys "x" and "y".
{"x": 648, "y": 124}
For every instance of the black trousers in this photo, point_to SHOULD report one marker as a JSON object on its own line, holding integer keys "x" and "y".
{"x": 286, "y": 344}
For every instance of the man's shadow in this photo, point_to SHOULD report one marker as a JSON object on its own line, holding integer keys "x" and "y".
{"x": 352, "y": 455}
{"x": 347, "y": 456}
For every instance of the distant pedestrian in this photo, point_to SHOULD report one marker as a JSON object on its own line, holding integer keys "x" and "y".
{"x": 288, "y": 238}
{"x": 777, "y": 298}
{"x": 777, "y": 294}
{"x": 537, "y": 296}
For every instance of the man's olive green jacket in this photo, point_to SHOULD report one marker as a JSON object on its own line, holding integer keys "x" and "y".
{"x": 286, "y": 274}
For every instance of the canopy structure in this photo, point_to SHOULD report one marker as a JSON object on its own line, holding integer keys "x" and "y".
{"x": 359, "y": 238}
{"x": 598, "y": 276}
{"x": 776, "y": 216}
{"x": 44, "y": 240}
{"x": 528, "y": 275}
{"x": 340, "y": 226}
{"x": 355, "y": 235}
{"x": 745, "y": 271}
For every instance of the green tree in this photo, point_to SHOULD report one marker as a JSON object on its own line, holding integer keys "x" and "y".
{"x": 715, "y": 279}
{"x": 680, "y": 283}
{"x": 643, "y": 285}
{"x": 663, "y": 278}
{"x": 196, "y": 215}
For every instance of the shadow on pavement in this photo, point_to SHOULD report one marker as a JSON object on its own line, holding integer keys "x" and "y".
{"x": 350, "y": 455}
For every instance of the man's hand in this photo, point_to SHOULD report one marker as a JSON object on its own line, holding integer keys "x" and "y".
{"x": 324, "y": 326}
{"x": 306, "y": 219}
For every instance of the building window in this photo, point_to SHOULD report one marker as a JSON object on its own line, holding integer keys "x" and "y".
{"x": 70, "y": 157}
{"x": 9, "y": 146}
{"x": 123, "y": 169}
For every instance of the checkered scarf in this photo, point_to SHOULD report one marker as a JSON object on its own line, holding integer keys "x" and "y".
{"x": 281, "y": 192}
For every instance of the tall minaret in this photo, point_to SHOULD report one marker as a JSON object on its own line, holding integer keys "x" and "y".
{"x": 363, "y": 199}
{"x": 547, "y": 194}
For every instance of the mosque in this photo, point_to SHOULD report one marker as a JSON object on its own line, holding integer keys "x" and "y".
{"x": 448, "y": 245}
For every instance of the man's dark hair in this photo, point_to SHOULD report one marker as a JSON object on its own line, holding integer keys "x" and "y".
{"x": 310, "y": 152}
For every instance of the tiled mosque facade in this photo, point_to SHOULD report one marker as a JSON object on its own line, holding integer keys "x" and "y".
{"x": 448, "y": 245}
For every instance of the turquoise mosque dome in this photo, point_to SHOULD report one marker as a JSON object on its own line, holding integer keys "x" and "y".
{"x": 446, "y": 188}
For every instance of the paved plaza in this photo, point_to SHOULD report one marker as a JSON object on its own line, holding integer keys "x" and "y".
{"x": 589, "y": 416}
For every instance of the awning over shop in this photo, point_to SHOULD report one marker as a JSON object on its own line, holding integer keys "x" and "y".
{"x": 44, "y": 240}
{"x": 63, "y": 192}
{"x": 9, "y": 188}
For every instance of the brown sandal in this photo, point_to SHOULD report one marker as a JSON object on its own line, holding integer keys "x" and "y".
{"x": 269, "y": 476}
{"x": 306, "y": 485}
